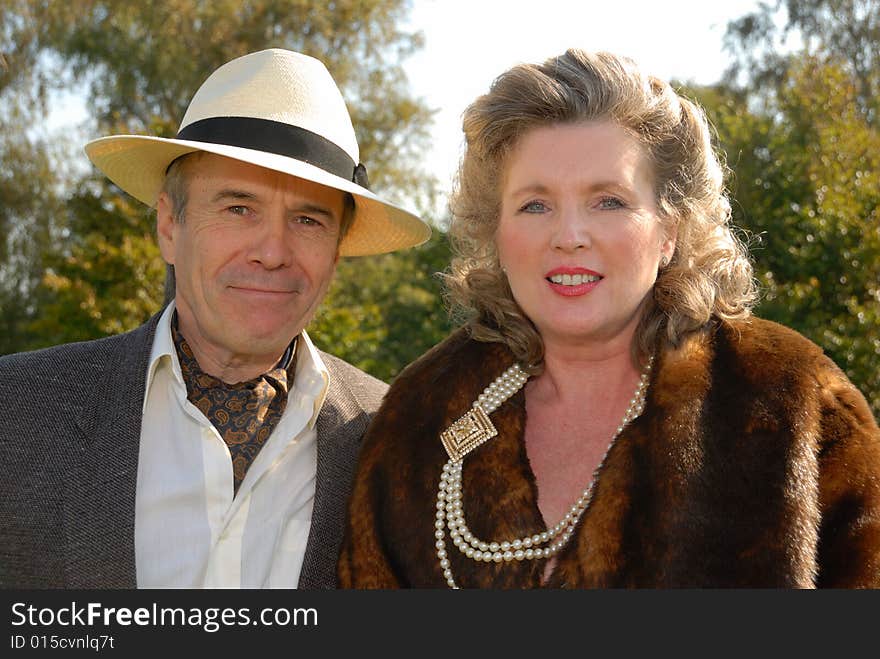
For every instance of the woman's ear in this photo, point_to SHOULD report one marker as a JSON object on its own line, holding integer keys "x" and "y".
{"x": 667, "y": 245}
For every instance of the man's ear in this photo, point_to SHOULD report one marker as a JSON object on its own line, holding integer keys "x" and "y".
{"x": 165, "y": 227}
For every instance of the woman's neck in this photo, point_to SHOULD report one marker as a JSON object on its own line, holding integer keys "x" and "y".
{"x": 572, "y": 373}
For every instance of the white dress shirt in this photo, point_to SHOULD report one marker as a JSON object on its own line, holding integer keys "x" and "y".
{"x": 190, "y": 531}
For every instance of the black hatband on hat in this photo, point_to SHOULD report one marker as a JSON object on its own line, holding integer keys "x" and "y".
{"x": 279, "y": 138}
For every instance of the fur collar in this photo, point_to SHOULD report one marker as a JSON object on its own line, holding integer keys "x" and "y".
{"x": 755, "y": 463}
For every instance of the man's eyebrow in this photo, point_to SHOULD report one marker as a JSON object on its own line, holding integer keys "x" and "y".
{"x": 314, "y": 209}
{"x": 232, "y": 194}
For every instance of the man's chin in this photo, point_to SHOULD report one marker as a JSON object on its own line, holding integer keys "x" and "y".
{"x": 268, "y": 338}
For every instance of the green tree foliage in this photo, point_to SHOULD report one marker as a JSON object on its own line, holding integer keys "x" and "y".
{"x": 109, "y": 278}
{"x": 802, "y": 141}
{"x": 28, "y": 181}
{"x": 383, "y": 311}
{"x": 139, "y": 64}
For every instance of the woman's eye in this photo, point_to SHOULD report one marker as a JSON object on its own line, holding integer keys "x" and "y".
{"x": 533, "y": 207}
{"x": 610, "y": 203}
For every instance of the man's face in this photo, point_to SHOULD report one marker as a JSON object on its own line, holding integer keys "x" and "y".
{"x": 253, "y": 258}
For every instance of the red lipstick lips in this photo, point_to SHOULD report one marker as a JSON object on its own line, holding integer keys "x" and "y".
{"x": 572, "y": 282}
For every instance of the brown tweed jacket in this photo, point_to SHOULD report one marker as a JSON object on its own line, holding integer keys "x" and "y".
{"x": 755, "y": 463}
{"x": 69, "y": 432}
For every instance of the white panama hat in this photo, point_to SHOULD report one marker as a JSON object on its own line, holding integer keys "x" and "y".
{"x": 277, "y": 109}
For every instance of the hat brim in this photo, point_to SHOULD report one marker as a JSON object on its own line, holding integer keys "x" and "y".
{"x": 137, "y": 164}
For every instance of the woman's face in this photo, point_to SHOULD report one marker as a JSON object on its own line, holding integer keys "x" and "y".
{"x": 579, "y": 234}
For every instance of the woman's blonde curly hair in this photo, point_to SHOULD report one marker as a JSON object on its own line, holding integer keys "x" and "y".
{"x": 709, "y": 273}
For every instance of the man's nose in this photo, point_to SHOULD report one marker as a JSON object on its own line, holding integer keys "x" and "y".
{"x": 271, "y": 246}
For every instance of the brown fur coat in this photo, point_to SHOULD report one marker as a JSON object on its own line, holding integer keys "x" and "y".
{"x": 756, "y": 463}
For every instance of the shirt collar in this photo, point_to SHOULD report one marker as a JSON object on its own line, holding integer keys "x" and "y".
{"x": 163, "y": 351}
{"x": 311, "y": 378}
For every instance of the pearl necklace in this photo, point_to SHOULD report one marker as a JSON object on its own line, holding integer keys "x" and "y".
{"x": 473, "y": 429}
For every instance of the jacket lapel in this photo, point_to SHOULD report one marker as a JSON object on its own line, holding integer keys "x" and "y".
{"x": 99, "y": 503}
{"x": 340, "y": 426}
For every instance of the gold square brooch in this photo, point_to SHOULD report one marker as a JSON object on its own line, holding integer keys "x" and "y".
{"x": 467, "y": 433}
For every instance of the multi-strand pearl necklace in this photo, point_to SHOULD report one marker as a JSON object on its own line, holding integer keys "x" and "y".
{"x": 465, "y": 435}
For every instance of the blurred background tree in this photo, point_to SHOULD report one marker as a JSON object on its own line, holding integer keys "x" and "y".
{"x": 384, "y": 311}
{"x": 796, "y": 115}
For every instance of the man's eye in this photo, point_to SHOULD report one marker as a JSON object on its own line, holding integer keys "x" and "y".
{"x": 307, "y": 220}
{"x": 533, "y": 207}
{"x": 238, "y": 210}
